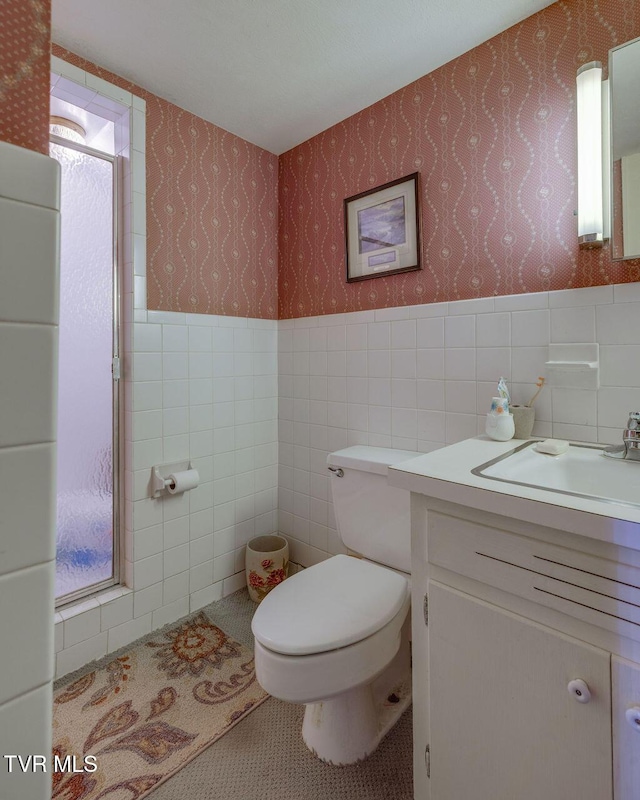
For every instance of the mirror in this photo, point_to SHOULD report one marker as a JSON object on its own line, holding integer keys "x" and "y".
{"x": 624, "y": 80}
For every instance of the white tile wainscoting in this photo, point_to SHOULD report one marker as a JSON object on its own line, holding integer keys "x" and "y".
{"x": 202, "y": 387}
{"x": 420, "y": 377}
{"x": 209, "y": 388}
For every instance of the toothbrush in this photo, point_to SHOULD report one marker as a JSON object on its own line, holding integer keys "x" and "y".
{"x": 503, "y": 391}
{"x": 539, "y": 384}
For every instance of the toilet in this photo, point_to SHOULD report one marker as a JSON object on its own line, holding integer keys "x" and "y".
{"x": 335, "y": 636}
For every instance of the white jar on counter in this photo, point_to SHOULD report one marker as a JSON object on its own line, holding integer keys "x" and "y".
{"x": 500, "y": 427}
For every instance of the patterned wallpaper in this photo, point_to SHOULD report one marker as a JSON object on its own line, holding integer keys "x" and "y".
{"x": 492, "y": 134}
{"x": 493, "y": 137}
{"x": 212, "y": 211}
{"x": 25, "y": 33}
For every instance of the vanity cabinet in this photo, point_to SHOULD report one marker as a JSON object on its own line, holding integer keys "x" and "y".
{"x": 503, "y": 724}
{"x": 515, "y": 626}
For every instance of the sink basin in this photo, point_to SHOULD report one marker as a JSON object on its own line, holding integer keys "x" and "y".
{"x": 582, "y": 471}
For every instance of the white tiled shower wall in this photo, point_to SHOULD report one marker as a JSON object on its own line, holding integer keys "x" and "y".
{"x": 29, "y": 225}
{"x": 184, "y": 551}
{"x": 421, "y": 377}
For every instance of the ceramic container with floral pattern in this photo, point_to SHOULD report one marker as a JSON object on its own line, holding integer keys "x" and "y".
{"x": 266, "y": 564}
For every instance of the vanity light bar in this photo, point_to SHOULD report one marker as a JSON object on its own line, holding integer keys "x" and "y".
{"x": 606, "y": 162}
{"x": 590, "y": 194}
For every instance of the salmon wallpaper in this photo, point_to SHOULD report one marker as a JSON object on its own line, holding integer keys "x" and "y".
{"x": 212, "y": 211}
{"x": 25, "y": 35}
{"x": 493, "y": 136}
{"x": 234, "y": 230}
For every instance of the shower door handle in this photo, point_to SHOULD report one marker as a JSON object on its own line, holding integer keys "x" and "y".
{"x": 115, "y": 368}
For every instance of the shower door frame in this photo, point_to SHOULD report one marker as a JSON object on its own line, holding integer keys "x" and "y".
{"x": 116, "y": 441}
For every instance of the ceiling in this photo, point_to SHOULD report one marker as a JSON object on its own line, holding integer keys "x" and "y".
{"x": 277, "y": 72}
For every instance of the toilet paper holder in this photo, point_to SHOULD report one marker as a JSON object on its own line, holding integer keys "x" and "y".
{"x": 160, "y": 476}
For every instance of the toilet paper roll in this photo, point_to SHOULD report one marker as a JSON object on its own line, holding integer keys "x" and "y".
{"x": 179, "y": 482}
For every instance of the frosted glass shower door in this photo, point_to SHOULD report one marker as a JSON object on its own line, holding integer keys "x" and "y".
{"x": 85, "y": 500}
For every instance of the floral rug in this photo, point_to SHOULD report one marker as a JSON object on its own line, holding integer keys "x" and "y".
{"x": 134, "y": 722}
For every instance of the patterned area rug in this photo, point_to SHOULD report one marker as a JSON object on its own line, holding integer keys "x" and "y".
{"x": 149, "y": 711}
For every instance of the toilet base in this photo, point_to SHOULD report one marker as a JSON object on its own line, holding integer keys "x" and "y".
{"x": 349, "y": 727}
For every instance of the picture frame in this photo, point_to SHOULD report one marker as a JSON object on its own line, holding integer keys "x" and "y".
{"x": 382, "y": 230}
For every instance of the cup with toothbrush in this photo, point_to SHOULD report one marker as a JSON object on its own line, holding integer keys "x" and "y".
{"x": 525, "y": 416}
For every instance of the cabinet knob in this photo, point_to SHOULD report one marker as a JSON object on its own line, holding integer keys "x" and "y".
{"x": 632, "y": 716}
{"x": 581, "y": 692}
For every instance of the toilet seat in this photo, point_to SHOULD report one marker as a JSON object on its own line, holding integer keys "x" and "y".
{"x": 333, "y": 604}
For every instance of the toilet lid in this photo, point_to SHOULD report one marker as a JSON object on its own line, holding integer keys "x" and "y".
{"x": 333, "y": 604}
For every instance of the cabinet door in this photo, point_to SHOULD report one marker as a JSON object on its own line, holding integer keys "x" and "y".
{"x": 503, "y": 724}
{"x": 625, "y": 679}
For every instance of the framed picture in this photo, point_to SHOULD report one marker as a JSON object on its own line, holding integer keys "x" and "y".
{"x": 383, "y": 230}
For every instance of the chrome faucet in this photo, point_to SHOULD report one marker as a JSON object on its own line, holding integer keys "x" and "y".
{"x": 630, "y": 447}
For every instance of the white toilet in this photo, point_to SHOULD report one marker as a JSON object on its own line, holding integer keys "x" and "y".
{"x": 335, "y": 636}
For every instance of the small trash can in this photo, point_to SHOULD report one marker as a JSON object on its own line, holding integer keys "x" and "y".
{"x": 266, "y": 564}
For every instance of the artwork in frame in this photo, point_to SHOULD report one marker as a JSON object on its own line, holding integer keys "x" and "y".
{"x": 382, "y": 228}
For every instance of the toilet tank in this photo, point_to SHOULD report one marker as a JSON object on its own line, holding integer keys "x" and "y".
{"x": 372, "y": 517}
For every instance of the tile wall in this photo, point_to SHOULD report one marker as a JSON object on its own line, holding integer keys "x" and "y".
{"x": 29, "y": 235}
{"x": 420, "y": 377}
{"x": 184, "y": 551}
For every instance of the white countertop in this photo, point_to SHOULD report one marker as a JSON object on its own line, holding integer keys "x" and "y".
{"x": 445, "y": 474}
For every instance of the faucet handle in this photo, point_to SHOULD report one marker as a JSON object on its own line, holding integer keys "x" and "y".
{"x": 631, "y": 436}
{"x": 630, "y": 447}
{"x": 634, "y": 420}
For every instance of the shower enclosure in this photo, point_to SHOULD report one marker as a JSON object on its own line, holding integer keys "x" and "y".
{"x": 87, "y": 497}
